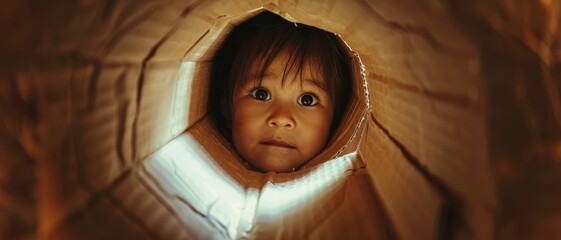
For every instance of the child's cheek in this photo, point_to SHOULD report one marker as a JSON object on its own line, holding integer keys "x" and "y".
{"x": 247, "y": 111}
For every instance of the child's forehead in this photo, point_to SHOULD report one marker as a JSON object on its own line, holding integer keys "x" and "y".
{"x": 306, "y": 77}
{"x": 286, "y": 65}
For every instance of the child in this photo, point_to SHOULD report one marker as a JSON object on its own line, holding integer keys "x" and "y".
{"x": 284, "y": 92}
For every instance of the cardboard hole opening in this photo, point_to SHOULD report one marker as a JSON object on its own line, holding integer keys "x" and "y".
{"x": 345, "y": 137}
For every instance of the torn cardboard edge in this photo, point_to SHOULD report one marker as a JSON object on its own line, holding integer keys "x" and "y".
{"x": 203, "y": 171}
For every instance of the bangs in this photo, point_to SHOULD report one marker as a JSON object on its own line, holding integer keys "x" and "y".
{"x": 304, "y": 48}
{"x": 276, "y": 42}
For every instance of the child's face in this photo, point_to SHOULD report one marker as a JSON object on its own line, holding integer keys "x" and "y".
{"x": 279, "y": 126}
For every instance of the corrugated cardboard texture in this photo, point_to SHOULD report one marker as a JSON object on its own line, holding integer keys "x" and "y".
{"x": 199, "y": 175}
{"x": 122, "y": 96}
{"x": 112, "y": 100}
{"x": 105, "y": 131}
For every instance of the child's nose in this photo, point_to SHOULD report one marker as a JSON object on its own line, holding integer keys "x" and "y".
{"x": 281, "y": 117}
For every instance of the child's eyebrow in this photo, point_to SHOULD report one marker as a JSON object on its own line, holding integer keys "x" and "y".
{"x": 319, "y": 84}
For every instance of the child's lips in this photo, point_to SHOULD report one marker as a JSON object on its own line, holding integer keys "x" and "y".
{"x": 277, "y": 143}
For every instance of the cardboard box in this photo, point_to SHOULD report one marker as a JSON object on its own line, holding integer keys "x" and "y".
{"x": 125, "y": 149}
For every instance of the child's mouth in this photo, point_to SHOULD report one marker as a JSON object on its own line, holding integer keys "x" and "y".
{"x": 277, "y": 143}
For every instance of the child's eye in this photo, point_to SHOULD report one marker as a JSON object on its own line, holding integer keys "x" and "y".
{"x": 261, "y": 94}
{"x": 307, "y": 100}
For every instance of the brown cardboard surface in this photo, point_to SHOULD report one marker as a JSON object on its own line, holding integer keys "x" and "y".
{"x": 147, "y": 209}
{"x": 306, "y": 200}
{"x": 173, "y": 84}
{"x": 427, "y": 129}
{"x": 108, "y": 220}
{"x": 444, "y": 136}
{"x": 444, "y": 76}
{"x": 351, "y": 222}
{"x": 200, "y": 172}
{"x": 47, "y": 139}
{"x": 106, "y": 107}
{"x": 144, "y": 32}
{"x": 434, "y": 112}
{"x": 142, "y": 110}
{"x": 185, "y": 172}
{"x": 130, "y": 78}
{"x": 17, "y": 170}
{"x": 412, "y": 204}
{"x": 522, "y": 111}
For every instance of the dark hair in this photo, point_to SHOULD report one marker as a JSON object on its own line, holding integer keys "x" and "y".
{"x": 261, "y": 40}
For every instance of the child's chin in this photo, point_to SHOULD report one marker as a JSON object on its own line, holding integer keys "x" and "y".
{"x": 278, "y": 168}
